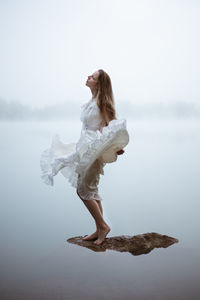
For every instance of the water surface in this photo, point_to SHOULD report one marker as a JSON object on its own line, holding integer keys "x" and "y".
{"x": 153, "y": 187}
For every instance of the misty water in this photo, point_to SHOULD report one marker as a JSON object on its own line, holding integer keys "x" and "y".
{"x": 153, "y": 187}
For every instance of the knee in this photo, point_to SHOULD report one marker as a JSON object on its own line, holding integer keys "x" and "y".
{"x": 78, "y": 194}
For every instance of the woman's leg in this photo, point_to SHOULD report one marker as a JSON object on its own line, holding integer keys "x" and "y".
{"x": 100, "y": 206}
{"x": 90, "y": 183}
{"x": 95, "y": 234}
{"x": 95, "y": 211}
{"x": 102, "y": 227}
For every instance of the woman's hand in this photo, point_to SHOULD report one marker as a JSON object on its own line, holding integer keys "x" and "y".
{"x": 120, "y": 152}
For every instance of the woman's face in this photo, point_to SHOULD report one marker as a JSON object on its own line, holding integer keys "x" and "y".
{"x": 92, "y": 80}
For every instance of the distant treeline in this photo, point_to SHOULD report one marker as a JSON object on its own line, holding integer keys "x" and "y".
{"x": 14, "y": 110}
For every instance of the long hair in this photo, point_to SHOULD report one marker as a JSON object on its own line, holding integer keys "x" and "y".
{"x": 105, "y": 98}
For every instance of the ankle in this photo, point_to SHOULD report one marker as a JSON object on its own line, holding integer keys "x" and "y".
{"x": 103, "y": 226}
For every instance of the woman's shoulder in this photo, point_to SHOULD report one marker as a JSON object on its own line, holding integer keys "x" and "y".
{"x": 86, "y": 103}
{"x": 90, "y": 104}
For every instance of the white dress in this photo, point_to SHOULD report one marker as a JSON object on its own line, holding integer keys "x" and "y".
{"x": 83, "y": 162}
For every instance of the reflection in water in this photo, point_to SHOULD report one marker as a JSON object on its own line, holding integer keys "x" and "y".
{"x": 136, "y": 245}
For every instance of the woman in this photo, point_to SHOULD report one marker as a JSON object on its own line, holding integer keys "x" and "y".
{"x": 102, "y": 139}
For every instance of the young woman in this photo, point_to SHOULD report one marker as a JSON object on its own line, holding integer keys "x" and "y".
{"x": 103, "y": 137}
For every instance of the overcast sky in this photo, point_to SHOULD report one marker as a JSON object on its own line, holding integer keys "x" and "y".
{"x": 149, "y": 48}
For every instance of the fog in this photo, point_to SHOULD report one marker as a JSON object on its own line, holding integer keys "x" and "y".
{"x": 150, "y": 49}
{"x": 15, "y": 110}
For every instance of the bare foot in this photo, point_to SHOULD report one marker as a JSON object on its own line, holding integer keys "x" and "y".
{"x": 91, "y": 237}
{"x": 102, "y": 235}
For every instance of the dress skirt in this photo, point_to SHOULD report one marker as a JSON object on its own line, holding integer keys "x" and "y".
{"x": 83, "y": 162}
{"x": 87, "y": 187}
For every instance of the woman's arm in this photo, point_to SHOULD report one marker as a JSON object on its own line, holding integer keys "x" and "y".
{"x": 104, "y": 123}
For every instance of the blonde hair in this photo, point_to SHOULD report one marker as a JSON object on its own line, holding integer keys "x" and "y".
{"x": 105, "y": 98}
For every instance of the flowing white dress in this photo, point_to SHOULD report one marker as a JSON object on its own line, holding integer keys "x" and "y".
{"x": 83, "y": 162}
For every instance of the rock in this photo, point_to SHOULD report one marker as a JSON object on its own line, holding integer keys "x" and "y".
{"x": 136, "y": 245}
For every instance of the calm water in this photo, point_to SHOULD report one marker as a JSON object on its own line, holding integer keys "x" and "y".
{"x": 153, "y": 187}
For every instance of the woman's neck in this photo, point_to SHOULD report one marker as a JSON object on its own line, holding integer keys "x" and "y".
{"x": 93, "y": 91}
